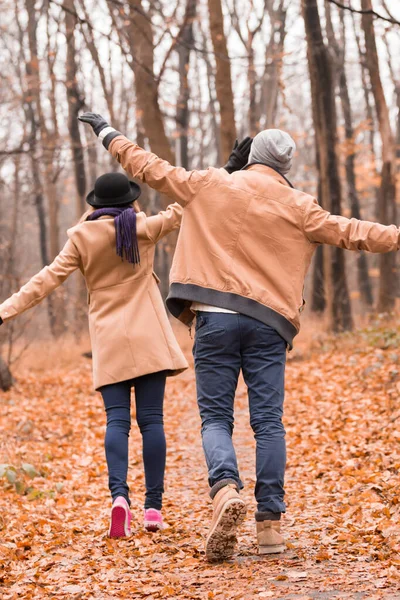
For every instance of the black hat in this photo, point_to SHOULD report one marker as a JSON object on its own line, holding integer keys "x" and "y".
{"x": 113, "y": 189}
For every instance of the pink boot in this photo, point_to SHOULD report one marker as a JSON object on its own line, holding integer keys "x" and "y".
{"x": 153, "y": 520}
{"x": 120, "y": 525}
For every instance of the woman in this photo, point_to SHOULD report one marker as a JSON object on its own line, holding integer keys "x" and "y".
{"x": 132, "y": 340}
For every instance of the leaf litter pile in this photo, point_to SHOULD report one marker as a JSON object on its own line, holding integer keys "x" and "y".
{"x": 343, "y": 489}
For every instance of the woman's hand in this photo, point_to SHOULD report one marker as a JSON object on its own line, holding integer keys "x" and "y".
{"x": 97, "y": 122}
{"x": 102, "y": 129}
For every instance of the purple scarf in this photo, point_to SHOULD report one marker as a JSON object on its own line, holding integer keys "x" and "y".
{"x": 125, "y": 231}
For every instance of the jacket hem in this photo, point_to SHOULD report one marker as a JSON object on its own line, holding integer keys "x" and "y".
{"x": 134, "y": 374}
{"x": 181, "y": 295}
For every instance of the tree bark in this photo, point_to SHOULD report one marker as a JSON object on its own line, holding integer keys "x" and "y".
{"x": 396, "y": 85}
{"x": 6, "y": 379}
{"x": 212, "y": 99}
{"x": 253, "y": 117}
{"x": 40, "y": 133}
{"x": 90, "y": 43}
{"x": 140, "y": 38}
{"x": 339, "y": 53}
{"x": 324, "y": 114}
{"x": 182, "y": 111}
{"x": 364, "y": 281}
{"x": 319, "y": 292}
{"x": 223, "y": 79}
{"x": 387, "y": 191}
{"x": 51, "y": 150}
{"x": 75, "y": 103}
{"x": 247, "y": 40}
{"x": 148, "y": 113}
{"x": 273, "y": 66}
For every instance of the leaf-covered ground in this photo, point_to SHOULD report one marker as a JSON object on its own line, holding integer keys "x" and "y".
{"x": 342, "y": 523}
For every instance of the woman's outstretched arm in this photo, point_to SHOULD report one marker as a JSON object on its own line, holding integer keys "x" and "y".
{"x": 158, "y": 226}
{"x": 43, "y": 283}
{"x": 176, "y": 182}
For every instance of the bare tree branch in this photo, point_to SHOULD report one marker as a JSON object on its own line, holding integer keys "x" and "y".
{"x": 365, "y": 12}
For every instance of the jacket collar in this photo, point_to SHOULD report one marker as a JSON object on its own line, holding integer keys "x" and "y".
{"x": 261, "y": 168}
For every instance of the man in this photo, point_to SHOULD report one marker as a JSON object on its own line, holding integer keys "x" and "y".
{"x": 246, "y": 242}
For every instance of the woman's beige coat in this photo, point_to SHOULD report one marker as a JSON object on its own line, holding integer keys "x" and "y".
{"x": 129, "y": 328}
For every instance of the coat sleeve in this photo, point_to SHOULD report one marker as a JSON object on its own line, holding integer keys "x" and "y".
{"x": 166, "y": 221}
{"x": 177, "y": 183}
{"x": 43, "y": 283}
{"x": 352, "y": 234}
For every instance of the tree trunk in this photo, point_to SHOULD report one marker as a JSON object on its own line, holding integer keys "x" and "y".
{"x": 140, "y": 38}
{"x": 364, "y": 282}
{"x": 148, "y": 113}
{"x": 90, "y": 43}
{"x": 318, "y": 298}
{"x": 273, "y": 66}
{"x": 51, "y": 149}
{"x": 212, "y": 100}
{"x": 396, "y": 85}
{"x": 75, "y": 103}
{"x": 366, "y": 89}
{"x": 38, "y": 128}
{"x": 253, "y": 117}
{"x": 339, "y": 52}
{"x": 223, "y": 79}
{"x": 182, "y": 111}
{"x": 6, "y": 379}
{"x": 91, "y": 147}
{"x": 324, "y": 114}
{"x": 387, "y": 192}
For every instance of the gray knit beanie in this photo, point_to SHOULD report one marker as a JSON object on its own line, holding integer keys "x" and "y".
{"x": 274, "y": 148}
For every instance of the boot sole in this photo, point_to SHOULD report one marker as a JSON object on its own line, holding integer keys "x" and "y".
{"x": 222, "y": 540}
{"x": 272, "y": 549}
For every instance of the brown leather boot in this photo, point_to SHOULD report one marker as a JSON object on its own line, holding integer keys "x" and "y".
{"x": 269, "y": 538}
{"x": 229, "y": 513}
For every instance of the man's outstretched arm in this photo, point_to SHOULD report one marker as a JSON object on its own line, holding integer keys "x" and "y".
{"x": 352, "y": 234}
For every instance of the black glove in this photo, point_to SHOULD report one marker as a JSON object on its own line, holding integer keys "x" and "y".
{"x": 1, "y": 321}
{"x": 239, "y": 155}
{"x": 96, "y": 121}
{"x": 99, "y": 123}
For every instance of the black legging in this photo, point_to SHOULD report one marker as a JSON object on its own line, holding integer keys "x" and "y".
{"x": 149, "y": 393}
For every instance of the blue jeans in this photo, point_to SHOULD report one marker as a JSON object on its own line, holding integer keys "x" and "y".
{"x": 149, "y": 394}
{"x": 225, "y": 344}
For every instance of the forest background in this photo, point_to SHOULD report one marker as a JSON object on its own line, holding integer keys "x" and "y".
{"x": 185, "y": 79}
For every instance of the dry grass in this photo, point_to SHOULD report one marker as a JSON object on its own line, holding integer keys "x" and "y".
{"x": 67, "y": 351}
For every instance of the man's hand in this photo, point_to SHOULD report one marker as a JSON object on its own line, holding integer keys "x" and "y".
{"x": 239, "y": 155}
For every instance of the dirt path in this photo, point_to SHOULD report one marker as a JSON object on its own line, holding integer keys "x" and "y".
{"x": 342, "y": 523}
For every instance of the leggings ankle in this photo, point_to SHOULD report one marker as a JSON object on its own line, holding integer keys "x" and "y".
{"x": 149, "y": 395}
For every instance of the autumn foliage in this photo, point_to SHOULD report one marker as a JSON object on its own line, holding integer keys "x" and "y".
{"x": 343, "y": 488}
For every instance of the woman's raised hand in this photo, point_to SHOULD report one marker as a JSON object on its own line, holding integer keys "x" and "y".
{"x": 97, "y": 122}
